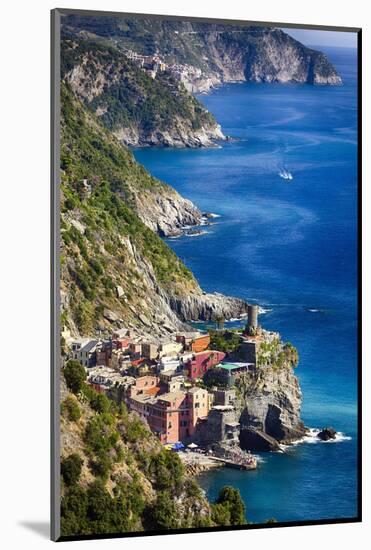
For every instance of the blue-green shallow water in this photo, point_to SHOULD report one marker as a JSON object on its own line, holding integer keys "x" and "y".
{"x": 290, "y": 246}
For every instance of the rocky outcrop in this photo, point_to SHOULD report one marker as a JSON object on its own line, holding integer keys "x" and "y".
{"x": 207, "y": 306}
{"x": 166, "y": 212}
{"x": 326, "y": 434}
{"x": 277, "y": 57}
{"x": 257, "y": 440}
{"x": 180, "y": 135}
{"x": 270, "y": 406}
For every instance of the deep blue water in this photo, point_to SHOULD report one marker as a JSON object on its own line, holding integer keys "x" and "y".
{"x": 290, "y": 246}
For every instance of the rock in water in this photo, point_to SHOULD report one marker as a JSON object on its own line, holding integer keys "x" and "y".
{"x": 326, "y": 434}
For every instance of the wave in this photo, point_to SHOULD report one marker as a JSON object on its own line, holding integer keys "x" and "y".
{"x": 213, "y": 215}
{"x": 196, "y": 234}
{"x": 312, "y": 438}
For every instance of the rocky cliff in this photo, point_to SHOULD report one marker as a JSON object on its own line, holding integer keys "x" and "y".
{"x": 270, "y": 402}
{"x": 205, "y": 306}
{"x": 222, "y": 52}
{"x": 115, "y": 268}
{"x": 138, "y": 109}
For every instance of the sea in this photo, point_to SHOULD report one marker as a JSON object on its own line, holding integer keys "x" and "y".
{"x": 289, "y": 245}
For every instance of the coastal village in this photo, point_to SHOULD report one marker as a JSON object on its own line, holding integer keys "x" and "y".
{"x": 187, "y": 74}
{"x": 164, "y": 383}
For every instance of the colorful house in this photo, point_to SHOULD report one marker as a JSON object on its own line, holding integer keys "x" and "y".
{"x": 203, "y": 361}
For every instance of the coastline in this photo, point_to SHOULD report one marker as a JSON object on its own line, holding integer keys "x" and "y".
{"x": 329, "y": 392}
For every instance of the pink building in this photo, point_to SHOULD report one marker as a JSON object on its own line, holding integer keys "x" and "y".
{"x": 145, "y": 385}
{"x": 174, "y": 415}
{"x": 203, "y": 361}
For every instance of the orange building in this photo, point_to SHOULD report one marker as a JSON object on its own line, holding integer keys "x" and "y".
{"x": 194, "y": 341}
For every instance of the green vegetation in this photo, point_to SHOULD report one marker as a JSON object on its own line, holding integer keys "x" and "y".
{"x": 216, "y": 377}
{"x": 227, "y": 340}
{"x": 71, "y": 409}
{"x": 229, "y": 508}
{"x": 276, "y": 355}
{"x": 97, "y": 259}
{"x": 71, "y": 469}
{"x": 75, "y": 375}
{"x": 130, "y": 97}
{"x": 123, "y": 480}
{"x": 100, "y": 403}
{"x": 167, "y": 472}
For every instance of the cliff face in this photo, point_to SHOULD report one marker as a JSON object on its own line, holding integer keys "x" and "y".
{"x": 270, "y": 399}
{"x": 115, "y": 269}
{"x": 272, "y": 403}
{"x": 205, "y": 306}
{"x": 138, "y": 109}
{"x": 222, "y": 52}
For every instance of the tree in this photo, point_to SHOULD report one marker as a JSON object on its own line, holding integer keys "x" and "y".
{"x": 163, "y": 513}
{"x": 220, "y": 515}
{"x": 73, "y": 511}
{"x": 167, "y": 471}
{"x": 75, "y": 375}
{"x": 71, "y": 468}
{"x": 231, "y": 500}
{"x": 216, "y": 377}
{"x": 100, "y": 403}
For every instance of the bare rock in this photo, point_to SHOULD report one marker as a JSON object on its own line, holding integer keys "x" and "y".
{"x": 326, "y": 434}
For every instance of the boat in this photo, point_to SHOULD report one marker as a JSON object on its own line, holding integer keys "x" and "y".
{"x": 286, "y": 175}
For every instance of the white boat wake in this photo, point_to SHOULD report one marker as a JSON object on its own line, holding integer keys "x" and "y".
{"x": 286, "y": 175}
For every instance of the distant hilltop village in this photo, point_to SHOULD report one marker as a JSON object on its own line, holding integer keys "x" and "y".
{"x": 187, "y": 74}
{"x": 183, "y": 387}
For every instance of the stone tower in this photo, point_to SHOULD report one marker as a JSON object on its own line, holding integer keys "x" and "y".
{"x": 252, "y": 319}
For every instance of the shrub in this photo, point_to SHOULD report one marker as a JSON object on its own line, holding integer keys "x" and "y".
{"x": 71, "y": 409}
{"x": 167, "y": 471}
{"x": 100, "y": 403}
{"x": 163, "y": 513}
{"x": 71, "y": 468}
{"x": 231, "y": 500}
{"x": 220, "y": 515}
{"x": 74, "y": 505}
{"x": 75, "y": 375}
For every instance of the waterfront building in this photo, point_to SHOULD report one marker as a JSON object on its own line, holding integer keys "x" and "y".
{"x": 172, "y": 416}
{"x": 220, "y": 427}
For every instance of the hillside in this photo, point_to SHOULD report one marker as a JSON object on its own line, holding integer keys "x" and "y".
{"x": 117, "y": 477}
{"x": 222, "y": 52}
{"x": 137, "y": 108}
{"x": 115, "y": 270}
